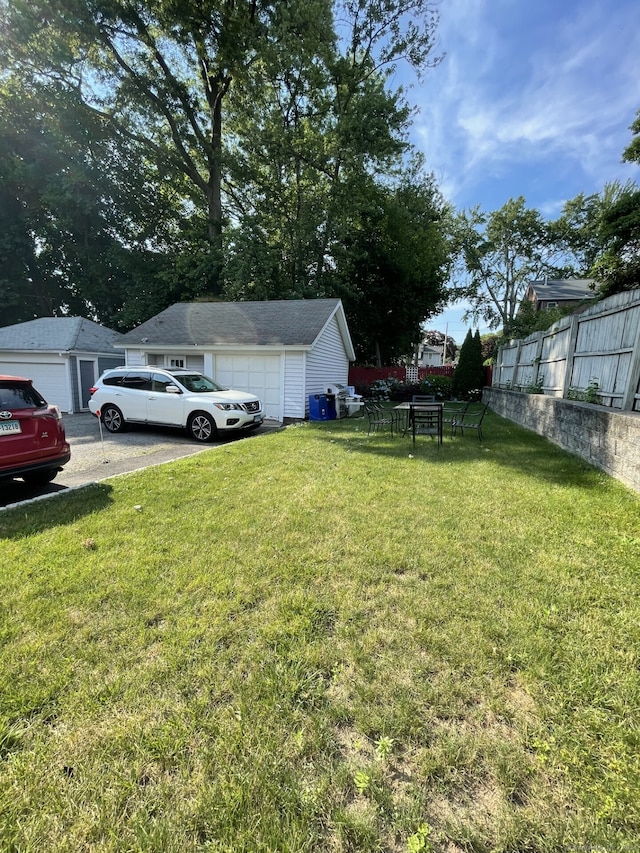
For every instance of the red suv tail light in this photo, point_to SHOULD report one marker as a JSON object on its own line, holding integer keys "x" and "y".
{"x": 93, "y": 390}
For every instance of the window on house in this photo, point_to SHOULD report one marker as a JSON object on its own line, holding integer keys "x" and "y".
{"x": 551, "y": 305}
{"x": 176, "y": 361}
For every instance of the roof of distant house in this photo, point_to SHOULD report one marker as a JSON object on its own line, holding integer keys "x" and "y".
{"x": 557, "y": 290}
{"x": 62, "y": 334}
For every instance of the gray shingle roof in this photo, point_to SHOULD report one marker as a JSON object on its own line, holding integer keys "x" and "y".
{"x": 276, "y": 323}
{"x": 558, "y": 289}
{"x": 60, "y": 334}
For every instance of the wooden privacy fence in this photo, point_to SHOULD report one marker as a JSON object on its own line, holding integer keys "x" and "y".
{"x": 596, "y": 351}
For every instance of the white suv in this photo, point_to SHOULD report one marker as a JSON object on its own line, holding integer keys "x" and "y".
{"x": 181, "y": 398}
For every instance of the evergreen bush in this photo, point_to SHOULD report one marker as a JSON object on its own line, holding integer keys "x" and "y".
{"x": 468, "y": 379}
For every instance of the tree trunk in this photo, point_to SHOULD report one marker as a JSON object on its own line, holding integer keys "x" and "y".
{"x": 219, "y": 88}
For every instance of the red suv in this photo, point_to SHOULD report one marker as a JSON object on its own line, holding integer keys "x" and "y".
{"x": 33, "y": 444}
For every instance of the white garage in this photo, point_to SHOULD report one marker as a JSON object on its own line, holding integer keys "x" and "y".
{"x": 50, "y": 379}
{"x": 282, "y": 351}
{"x": 63, "y": 356}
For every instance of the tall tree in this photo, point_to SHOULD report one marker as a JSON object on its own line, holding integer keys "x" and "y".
{"x": 397, "y": 265}
{"x": 498, "y": 254}
{"x": 600, "y": 236}
{"x": 157, "y": 72}
{"x": 177, "y": 82}
{"x": 312, "y": 137}
{"x": 81, "y": 218}
{"x": 578, "y": 230}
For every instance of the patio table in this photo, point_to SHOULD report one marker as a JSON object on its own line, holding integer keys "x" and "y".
{"x": 429, "y": 413}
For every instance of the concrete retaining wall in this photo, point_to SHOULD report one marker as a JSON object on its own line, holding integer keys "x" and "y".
{"x": 606, "y": 438}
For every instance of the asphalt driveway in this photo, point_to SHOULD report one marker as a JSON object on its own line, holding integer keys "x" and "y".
{"x": 97, "y": 455}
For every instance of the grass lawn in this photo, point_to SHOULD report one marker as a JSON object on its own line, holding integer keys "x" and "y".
{"x": 319, "y": 640}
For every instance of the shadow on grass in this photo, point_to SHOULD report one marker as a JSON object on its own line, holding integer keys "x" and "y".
{"x": 62, "y": 507}
{"x": 503, "y": 442}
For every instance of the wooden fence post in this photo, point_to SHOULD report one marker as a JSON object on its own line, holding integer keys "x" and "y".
{"x": 515, "y": 385}
{"x": 633, "y": 377}
{"x": 571, "y": 350}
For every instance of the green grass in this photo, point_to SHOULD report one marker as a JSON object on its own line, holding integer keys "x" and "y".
{"x": 319, "y": 640}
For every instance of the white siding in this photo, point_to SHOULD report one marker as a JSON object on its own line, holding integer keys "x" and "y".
{"x": 327, "y": 362}
{"x": 135, "y": 358}
{"x": 295, "y": 402}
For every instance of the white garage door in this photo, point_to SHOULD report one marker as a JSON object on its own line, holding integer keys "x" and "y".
{"x": 49, "y": 379}
{"x": 259, "y": 374}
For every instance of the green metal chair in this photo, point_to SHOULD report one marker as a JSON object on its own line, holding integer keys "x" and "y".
{"x": 452, "y": 410}
{"x": 425, "y": 420}
{"x": 378, "y": 418}
{"x": 471, "y": 418}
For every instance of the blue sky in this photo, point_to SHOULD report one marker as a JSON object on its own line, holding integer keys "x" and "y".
{"x": 532, "y": 98}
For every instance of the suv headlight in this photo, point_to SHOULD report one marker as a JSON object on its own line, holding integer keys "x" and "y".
{"x": 226, "y": 407}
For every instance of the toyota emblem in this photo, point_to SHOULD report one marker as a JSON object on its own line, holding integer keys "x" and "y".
{"x": 4, "y": 416}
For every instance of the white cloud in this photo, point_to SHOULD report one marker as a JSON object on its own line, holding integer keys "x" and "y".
{"x": 502, "y": 100}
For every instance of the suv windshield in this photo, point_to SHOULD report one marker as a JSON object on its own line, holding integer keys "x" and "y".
{"x": 198, "y": 383}
{"x": 16, "y": 395}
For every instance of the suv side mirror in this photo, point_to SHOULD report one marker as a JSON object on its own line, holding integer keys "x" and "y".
{"x": 173, "y": 389}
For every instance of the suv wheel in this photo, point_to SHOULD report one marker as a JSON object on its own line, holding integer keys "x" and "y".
{"x": 112, "y": 418}
{"x": 40, "y": 478}
{"x": 202, "y": 427}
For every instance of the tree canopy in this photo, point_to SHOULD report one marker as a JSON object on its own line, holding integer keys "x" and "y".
{"x": 225, "y": 148}
{"x": 498, "y": 254}
{"x": 632, "y": 152}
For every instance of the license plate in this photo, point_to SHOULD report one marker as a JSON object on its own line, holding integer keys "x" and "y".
{"x": 10, "y": 426}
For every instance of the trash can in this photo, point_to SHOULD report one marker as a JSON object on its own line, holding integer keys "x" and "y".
{"x": 320, "y": 408}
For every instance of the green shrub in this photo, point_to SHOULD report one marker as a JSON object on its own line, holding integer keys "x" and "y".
{"x": 468, "y": 379}
{"x": 398, "y": 391}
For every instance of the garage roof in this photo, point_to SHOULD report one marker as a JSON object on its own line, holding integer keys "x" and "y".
{"x": 286, "y": 322}
{"x": 59, "y": 334}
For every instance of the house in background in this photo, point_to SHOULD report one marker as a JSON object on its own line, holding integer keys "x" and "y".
{"x": 559, "y": 293}
{"x": 429, "y": 356}
{"x": 62, "y": 355}
{"x": 282, "y": 351}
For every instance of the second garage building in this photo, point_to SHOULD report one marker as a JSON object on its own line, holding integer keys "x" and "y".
{"x": 282, "y": 350}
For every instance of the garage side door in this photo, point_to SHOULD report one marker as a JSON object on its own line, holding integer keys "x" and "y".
{"x": 258, "y": 374}
{"x": 49, "y": 379}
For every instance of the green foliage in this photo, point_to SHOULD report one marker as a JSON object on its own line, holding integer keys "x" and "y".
{"x": 601, "y": 234}
{"x": 213, "y": 149}
{"x": 469, "y": 375}
{"x": 490, "y": 344}
{"x": 534, "y": 387}
{"x": 398, "y": 391}
{"x": 618, "y": 266}
{"x": 397, "y": 266}
{"x": 528, "y": 320}
{"x": 632, "y": 152}
{"x": 585, "y": 395}
{"x": 419, "y": 841}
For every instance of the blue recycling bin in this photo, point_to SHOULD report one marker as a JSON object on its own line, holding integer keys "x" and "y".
{"x": 321, "y": 408}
